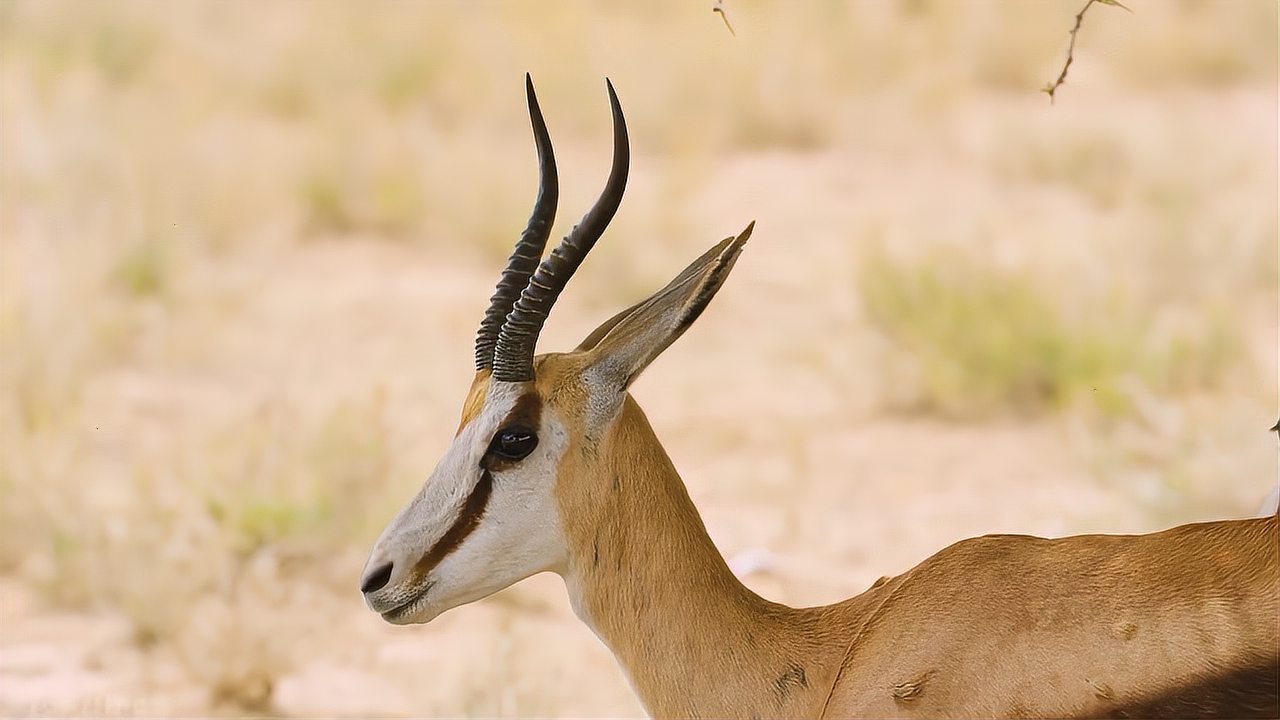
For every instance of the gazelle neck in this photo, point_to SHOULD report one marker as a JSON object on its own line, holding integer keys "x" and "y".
{"x": 645, "y": 576}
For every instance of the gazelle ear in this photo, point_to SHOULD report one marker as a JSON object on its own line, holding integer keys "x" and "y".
{"x": 695, "y": 267}
{"x": 626, "y": 343}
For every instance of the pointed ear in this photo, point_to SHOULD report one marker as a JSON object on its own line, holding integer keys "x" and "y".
{"x": 625, "y": 344}
{"x": 695, "y": 267}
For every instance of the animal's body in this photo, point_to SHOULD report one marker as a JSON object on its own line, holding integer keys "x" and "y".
{"x": 555, "y": 468}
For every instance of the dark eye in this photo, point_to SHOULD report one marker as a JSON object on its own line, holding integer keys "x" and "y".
{"x": 513, "y": 443}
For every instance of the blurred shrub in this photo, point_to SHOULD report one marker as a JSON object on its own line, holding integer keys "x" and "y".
{"x": 985, "y": 341}
{"x": 144, "y": 269}
{"x": 121, "y": 49}
{"x": 1192, "y": 43}
{"x": 1089, "y": 161}
{"x": 226, "y": 528}
{"x": 277, "y": 477}
{"x": 385, "y": 200}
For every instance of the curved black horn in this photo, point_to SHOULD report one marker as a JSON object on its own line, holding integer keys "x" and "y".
{"x": 513, "y": 357}
{"x": 524, "y": 259}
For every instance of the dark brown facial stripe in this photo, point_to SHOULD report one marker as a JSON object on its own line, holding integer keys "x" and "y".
{"x": 526, "y": 411}
{"x": 468, "y": 520}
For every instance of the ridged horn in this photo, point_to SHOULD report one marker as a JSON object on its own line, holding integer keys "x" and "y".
{"x": 528, "y": 251}
{"x": 513, "y": 357}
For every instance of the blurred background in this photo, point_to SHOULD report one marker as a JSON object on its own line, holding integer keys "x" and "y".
{"x": 246, "y": 247}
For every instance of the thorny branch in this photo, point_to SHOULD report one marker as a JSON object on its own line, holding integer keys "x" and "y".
{"x": 1052, "y": 87}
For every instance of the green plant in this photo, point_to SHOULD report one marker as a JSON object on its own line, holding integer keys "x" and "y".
{"x": 988, "y": 341}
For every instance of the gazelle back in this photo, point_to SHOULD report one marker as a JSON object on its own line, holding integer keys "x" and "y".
{"x": 554, "y": 467}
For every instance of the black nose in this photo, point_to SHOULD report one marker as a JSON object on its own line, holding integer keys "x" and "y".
{"x": 377, "y": 579}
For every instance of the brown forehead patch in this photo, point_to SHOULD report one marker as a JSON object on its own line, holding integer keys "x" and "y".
{"x": 559, "y": 381}
{"x": 527, "y": 408}
{"x": 474, "y": 403}
{"x": 527, "y": 411}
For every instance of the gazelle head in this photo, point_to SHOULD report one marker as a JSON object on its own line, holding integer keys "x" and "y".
{"x": 533, "y": 437}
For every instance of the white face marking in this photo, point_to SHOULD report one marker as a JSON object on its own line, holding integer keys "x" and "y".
{"x": 518, "y": 535}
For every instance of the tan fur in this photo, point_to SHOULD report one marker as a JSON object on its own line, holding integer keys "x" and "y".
{"x": 991, "y": 626}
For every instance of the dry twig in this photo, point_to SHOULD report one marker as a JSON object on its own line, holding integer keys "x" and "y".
{"x": 1052, "y": 87}
{"x": 719, "y": 8}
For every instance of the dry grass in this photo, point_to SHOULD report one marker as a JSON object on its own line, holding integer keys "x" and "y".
{"x": 244, "y": 247}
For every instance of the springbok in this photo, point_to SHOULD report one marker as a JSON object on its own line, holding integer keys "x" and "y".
{"x": 554, "y": 467}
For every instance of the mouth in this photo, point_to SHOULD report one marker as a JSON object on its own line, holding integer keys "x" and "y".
{"x": 397, "y": 615}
